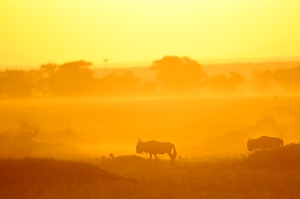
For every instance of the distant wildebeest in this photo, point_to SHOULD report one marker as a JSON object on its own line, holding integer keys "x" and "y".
{"x": 264, "y": 142}
{"x": 21, "y": 144}
{"x": 28, "y": 135}
{"x": 154, "y": 147}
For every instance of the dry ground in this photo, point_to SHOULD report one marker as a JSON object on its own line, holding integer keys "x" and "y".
{"x": 199, "y": 127}
{"x": 134, "y": 177}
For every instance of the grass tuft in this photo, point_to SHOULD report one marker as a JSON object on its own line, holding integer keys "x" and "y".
{"x": 286, "y": 157}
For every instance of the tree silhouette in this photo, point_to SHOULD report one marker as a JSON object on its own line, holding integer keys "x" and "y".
{"x": 15, "y": 84}
{"x": 178, "y": 75}
{"x": 224, "y": 84}
{"x": 125, "y": 83}
{"x": 48, "y": 69}
{"x": 263, "y": 80}
{"x": 72, "y": 78}
{"x": 288, "y": 78}
{"x": 47, "y": 72}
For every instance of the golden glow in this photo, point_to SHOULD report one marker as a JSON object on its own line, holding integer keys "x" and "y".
{"x": 95, "y": 117}
{"x": 199, "y": 127}
{"x": 34, "y": 32}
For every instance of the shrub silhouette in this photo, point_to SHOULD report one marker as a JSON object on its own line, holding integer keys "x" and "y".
{"x": 282, "y": 157}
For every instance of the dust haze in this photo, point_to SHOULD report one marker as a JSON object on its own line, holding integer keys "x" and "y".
{"x": 206, "y": 111}
{"x": 73, "y": 130}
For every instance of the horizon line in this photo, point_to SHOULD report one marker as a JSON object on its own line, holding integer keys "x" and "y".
{"x": 131, "y": 64}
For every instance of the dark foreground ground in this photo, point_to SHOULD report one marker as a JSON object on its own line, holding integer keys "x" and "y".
{"x": 264, "y": 174}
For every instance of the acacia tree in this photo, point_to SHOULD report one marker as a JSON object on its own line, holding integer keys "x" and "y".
{"x": 72, "y": 78}
{"x": 178, "y": 75}
{"x": 15, "y": 84}
{"x": 125, "y": 83}
{"x": 223, "y": 84}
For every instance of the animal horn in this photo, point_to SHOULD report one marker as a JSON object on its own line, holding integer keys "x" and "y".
{"x": 36, "y": 126}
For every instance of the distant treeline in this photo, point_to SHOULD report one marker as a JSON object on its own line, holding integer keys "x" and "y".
{"x": 174, "y": 75}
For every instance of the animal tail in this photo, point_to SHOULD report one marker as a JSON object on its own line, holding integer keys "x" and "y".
{"x": 174, "y": 153}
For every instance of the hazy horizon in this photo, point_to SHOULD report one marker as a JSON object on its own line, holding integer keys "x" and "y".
{"x": 91, "y": 90}
{"x": 137, "y": 64}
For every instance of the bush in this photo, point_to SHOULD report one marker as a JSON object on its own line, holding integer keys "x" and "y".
{"x": 282, "y": 157}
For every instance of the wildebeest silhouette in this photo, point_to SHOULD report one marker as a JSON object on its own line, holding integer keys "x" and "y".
{"x": 21, "y": 144}
{"x": 154, "y": 147}
{"x": 28, "y": 135}
{"x": 264, "y": 142}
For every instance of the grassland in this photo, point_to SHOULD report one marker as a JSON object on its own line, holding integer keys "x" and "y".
{"x": 198, "y": 126}
{"x": 69, "y": 156}
{"x": 264, "y": 174}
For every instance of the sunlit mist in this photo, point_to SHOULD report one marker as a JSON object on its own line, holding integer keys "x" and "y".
{"x": 149, "y": 99}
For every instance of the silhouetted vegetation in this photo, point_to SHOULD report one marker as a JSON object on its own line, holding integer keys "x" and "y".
{"x": 286, "y": 79}
{"x": 50, "y": 178}
{"x": 117, "y": 84}
{"x": 36, "y": 170}
{"x": 15, "y": 84}
{"x": 263, "y": 80}
{"x": 133, "y": 177}
{"x": 179, "y": 75}
{"x": 73, "y": 78}
{"x": 224, "y": 84}
{"x": 174, "y": 76}
{"x": 286, "y": 157}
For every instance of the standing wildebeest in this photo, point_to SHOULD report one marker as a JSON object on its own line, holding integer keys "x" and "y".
{"x": 154, "y": 147}
{"x": 264, "y": 142}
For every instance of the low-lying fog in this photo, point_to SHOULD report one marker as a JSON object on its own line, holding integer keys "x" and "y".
{"x": 198, "y": 126}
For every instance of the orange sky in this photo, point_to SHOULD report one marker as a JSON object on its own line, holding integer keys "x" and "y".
{"x": 34, "y": 32}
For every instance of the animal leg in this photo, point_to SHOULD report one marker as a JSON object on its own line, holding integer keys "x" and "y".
{"x": 155, "y": 157}
{"x": 170, "y": 154}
